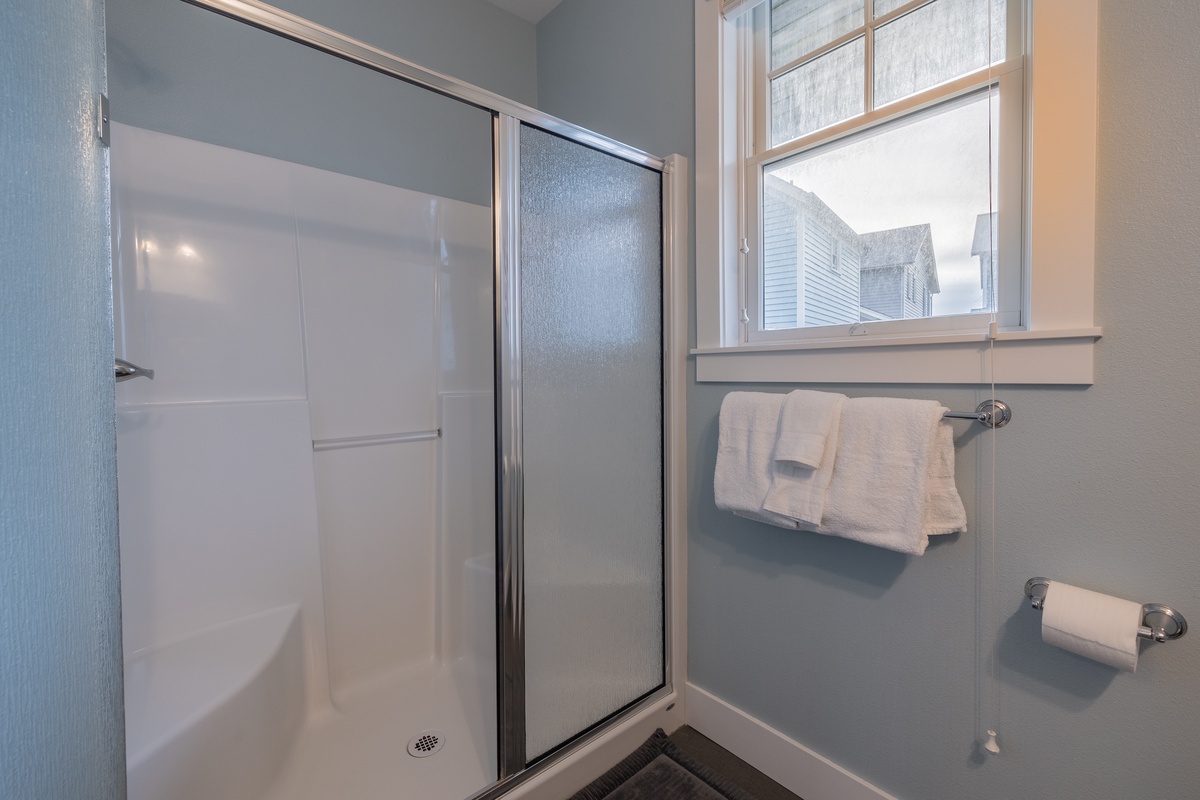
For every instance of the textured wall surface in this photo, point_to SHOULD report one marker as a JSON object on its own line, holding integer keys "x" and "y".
{"x": 183, "y": 70}
{"x": 472, "y": 40}
{"x": 622, "y": 68}
{"x": 880, "y": 662}
{"x": 61, "y": 731}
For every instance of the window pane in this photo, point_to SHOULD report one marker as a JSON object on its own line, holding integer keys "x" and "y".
{"x": 891, "y": 225}
{"x": 881, "y": 7}
{"x": 801, "y": 26}
{"x": 817, "y": 94}
{"x": 936, "y": 43}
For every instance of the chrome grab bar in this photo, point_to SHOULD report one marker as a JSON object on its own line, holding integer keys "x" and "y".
{"x": 126, "y": 370}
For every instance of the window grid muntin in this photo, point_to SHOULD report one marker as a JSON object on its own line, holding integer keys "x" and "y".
{"x": 822, "y": 45}
{"x": 867, "y": 32}
{"x": 900, "y": 109}
{"x": 847, "y": 51}
{"x": 861, "y": 30}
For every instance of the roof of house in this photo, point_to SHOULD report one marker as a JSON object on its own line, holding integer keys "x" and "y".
{"x": 901, "y": 247}
{"x": 984, "y": 224}
{"x": 812, "y": 205}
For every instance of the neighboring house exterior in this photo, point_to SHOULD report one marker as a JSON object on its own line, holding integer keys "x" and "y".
{"x": 811, "y": 260}
{"x": 984, "y": 245}
{"x": 817, "y": 270}
{"x": 899, "y": 274}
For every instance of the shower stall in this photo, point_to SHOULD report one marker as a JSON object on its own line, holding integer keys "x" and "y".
{"x": 398, "y": 504}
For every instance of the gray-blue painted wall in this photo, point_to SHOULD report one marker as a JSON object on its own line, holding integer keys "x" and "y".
{"x": 471, "y": 40}
{"x": 874, "y": 659}
{"x": 61, "y": 730}
{"x": 186, "y": 71}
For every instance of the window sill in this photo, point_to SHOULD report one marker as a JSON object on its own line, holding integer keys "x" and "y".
{"x": 1057, "y": 357}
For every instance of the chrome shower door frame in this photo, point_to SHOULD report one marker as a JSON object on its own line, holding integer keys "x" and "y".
{"x": 510, "y": 508}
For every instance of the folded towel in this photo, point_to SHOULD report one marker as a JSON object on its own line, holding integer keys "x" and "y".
{"x": 749, "y": 424}
{"x": 944, "y": 512}
{"x": 799, "y": 492}
{"x": 893, "y": 482}
{"x": 805, "y": 426}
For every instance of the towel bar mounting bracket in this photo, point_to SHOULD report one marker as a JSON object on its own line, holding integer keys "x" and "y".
{"x": 989, "y": 413}
{"x": 126, "y": 370}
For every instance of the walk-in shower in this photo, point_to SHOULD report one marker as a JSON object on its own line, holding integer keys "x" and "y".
{"x": 395, "y": 506}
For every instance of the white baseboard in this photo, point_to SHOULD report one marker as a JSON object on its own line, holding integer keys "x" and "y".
{"x": 784, "y": 760}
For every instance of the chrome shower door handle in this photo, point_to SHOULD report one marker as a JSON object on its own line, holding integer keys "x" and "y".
{"x": 126, "y": 370}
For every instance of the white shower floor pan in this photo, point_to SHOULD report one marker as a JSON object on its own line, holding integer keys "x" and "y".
{"x": 359, "y": 751}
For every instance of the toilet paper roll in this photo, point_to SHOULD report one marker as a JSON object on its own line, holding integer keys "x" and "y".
{"x": 1099, "y": 626}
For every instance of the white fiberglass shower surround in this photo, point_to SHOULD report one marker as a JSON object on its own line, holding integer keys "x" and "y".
{"x": 398, "y": 506}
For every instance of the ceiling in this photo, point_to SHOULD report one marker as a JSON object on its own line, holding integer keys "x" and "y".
{"x": 529, "y": 10}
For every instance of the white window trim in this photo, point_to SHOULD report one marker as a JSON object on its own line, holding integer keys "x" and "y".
{"x": 1056, "y": 346}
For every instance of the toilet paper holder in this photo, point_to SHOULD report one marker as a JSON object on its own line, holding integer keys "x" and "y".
{"x": 1159, "y": 623}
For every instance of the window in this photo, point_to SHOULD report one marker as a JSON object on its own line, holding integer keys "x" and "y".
{"x": 880, "y": 178}
{"x": 888, "y": 115}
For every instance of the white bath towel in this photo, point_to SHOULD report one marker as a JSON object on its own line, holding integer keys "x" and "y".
{"x": 749, "y": 426}
{"x": 893, "y": 481}
{"x": 806, "y": 424}
{"x": 944, "y": 512}
{"x": 798, "y": 492}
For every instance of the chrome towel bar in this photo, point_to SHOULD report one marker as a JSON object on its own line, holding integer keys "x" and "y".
{"x": 1159, "y": 623}
{"x": 989, "y": 413}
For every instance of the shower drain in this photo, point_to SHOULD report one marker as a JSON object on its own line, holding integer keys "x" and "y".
{"x": 425, "y": 743}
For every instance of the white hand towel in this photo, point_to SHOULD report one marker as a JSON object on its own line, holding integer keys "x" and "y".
{"x": 893, "y": 481}
{"x": 749, "y": 424}
{"x": 944, "y": 512}
{"x": 798, "y": 492}
{"x": 805, "y": 426}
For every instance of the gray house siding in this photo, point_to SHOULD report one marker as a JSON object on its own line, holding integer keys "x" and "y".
{"x": 920, "y": 302}
{"x": 883, "y": 291}
{"x": 899, "y": 273}
{"x": 801, "y": 230}
{"x": 780, "y": 255}
{"x": 817, "y": 270}
{"x": 830, "y": 289}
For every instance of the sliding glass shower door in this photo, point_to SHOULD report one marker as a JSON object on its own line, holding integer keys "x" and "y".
{"x": 303, "y": 254}
{"x": 590, "y": 372}
{"x": 368, "y": 290}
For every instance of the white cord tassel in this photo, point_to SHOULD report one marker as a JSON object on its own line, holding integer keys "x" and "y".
{"x": 991, "y": 746}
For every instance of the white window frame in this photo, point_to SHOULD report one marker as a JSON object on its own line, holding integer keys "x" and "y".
{"x": 1054, "y": 342}
{"x": 1005, "y": 76}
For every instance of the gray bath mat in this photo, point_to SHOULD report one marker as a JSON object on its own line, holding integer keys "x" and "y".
{"x": 658, "y": 770}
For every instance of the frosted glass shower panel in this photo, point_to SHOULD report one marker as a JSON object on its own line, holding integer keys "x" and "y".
{"x": 591, "y": 364}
